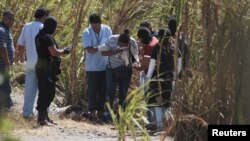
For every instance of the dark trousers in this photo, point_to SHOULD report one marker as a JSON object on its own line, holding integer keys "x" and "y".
{"x": 166, "y": 91}
{"x": 46, "y": 90}
{"x": 122, "y": 84}
{"x": 96, "y": 90}
{"x": 5, "y": 90}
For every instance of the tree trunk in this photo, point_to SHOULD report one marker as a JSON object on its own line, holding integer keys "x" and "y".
{"x": 242, "y": 95}
{"x": 74, "y": 83}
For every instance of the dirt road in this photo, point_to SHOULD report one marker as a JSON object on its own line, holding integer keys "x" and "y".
{"x": 67, "y": 129}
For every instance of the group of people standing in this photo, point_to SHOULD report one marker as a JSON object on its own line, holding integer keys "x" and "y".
{"x": 109, "y": 56}
{"x": 37, "y": 46}
{"x": 105, "y": 55}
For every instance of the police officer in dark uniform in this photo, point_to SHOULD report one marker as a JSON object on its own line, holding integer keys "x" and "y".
{"x": 47, "y": 68}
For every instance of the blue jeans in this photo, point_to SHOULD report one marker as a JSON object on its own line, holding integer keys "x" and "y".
{"x": 122, "y": 84}
{"x": 96, "y": 81}
{"x": 30, "y": 92}
{"x": 5, "y": 90}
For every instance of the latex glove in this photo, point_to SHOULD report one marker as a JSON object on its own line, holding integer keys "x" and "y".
{"x": 125, "y": 57}
{"x": 66, "y": 50}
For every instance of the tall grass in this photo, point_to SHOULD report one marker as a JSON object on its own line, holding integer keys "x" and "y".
{"x": 72, "y": 18}
{"x": 132, "y": 118}
{"x": 5, "y": 130}
{"x": 214, "y": 30}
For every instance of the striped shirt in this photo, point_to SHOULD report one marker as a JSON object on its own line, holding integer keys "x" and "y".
{"x": 121, "y": 58}
{"x": 6, "y": 41}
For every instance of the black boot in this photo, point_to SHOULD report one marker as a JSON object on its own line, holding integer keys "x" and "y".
{"x": 42, "y": 119}
{"x": 48, "y": 119}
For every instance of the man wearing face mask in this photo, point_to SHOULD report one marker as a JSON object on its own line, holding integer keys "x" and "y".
{"x": 47, "y": 67}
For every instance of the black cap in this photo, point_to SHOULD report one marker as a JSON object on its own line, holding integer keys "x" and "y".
{"x": 164, "y": 32}
{"x": 40, "y": 12}
{"x": 172, "y": 26}
{"x": 145, "y": 24}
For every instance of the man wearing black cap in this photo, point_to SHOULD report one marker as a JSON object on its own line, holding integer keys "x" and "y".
{"x": 161, "y": 68}
{"x": 160, "y": 75}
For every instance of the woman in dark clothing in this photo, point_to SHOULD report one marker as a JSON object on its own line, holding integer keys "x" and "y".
{"x": 47, "y": 67}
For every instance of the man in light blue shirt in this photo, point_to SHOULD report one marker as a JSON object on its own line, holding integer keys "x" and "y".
{"x": 95, "y": 64}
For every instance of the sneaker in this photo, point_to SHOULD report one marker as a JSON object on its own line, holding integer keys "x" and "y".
{"x": 28, "y": 118}
{"x": 89, "y": 115}
{"x": 106, "y": 118}
{"x": 51, "y": 121}
{"x": 152, "y": 127}
{"x": 44, "y": 123}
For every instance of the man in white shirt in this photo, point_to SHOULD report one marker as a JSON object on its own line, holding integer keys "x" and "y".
{"x": 27, "y": 51}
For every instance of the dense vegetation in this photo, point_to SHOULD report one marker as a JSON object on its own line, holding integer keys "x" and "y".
{"x": 217, "y": 30}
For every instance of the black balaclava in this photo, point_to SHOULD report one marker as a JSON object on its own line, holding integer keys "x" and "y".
{"x": 172, "y": 26}
{"x": 49, "y": 26}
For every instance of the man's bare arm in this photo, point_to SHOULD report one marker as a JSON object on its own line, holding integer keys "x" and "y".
{"x": 111, "y": 52}
{"x": 5, "y": 57}
{"x": 20, "y": 53}
{"x": 91, "y": 49}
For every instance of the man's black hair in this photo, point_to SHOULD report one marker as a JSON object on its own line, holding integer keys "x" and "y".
{"x": 145, "y": 24}
{"x": 8, "y": 14}
{"x": 124, "y": 37}
{"x": 145, "y": 35}
{"x": 40, "y": 12}
{"x": 95, "y": 18}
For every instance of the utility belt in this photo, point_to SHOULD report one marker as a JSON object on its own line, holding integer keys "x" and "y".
{"x": 42, "y": 63}
{"x": 51, "y": 66}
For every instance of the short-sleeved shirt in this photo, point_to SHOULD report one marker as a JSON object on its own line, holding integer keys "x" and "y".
{"x": 43, "y": 42}
{"x": 167, "y": 61}
{"x": 95, "y": 61}
{"x": 118, "y": 59}
{"x": 6, "y": 41}
{"x": 27, "y": 39}
{"x": 148, "y": 48}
